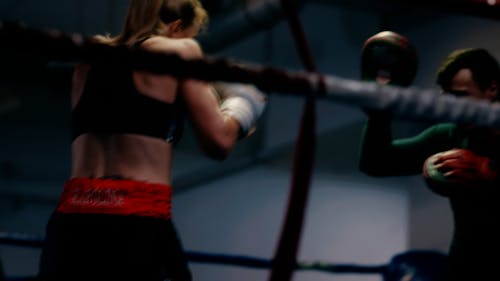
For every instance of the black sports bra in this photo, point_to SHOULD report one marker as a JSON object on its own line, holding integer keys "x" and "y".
{"x": 110, "y": 103}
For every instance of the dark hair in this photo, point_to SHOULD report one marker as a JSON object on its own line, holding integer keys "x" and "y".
{"x": 482, "y": 64}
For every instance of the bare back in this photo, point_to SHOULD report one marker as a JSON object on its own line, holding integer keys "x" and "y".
{"x": 131, "y": 156}
{"x": 147, "y": 158}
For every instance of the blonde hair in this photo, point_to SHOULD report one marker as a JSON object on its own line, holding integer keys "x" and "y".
{"x": 147, "y": 17}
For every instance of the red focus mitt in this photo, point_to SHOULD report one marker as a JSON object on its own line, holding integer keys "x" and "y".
{"x": 458, "y": 170}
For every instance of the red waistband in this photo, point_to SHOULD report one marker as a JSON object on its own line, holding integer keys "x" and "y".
{"x": 116, "y": 197}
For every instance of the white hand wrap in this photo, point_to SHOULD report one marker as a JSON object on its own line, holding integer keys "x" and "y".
{"x": 243, "y": 102}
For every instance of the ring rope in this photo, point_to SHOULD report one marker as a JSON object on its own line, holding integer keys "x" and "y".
{"x": 411, "y": 103}
{"x": 34, "y": 241}
{"x": 285, "y": 258}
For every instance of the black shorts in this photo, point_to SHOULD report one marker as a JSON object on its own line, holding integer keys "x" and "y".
{"x": 112, "y": 247}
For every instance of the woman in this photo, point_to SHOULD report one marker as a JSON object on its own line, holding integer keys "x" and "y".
{"x": 113, "y": 220}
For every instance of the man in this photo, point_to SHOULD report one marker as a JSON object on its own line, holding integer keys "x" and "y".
{"x": 457, "y": 161}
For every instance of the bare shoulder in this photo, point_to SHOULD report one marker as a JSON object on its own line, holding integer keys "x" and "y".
{"x": 185, "y": 47}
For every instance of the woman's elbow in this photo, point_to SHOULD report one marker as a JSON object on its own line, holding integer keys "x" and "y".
{"x": 218, "y": 149}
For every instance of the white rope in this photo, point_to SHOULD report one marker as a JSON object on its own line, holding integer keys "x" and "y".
{"x": 413, "y": 103}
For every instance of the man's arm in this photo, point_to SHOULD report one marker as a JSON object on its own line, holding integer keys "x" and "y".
{"x": 381, "y": 155}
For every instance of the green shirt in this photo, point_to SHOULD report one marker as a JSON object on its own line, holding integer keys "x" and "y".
{"x": 476, "y": 215}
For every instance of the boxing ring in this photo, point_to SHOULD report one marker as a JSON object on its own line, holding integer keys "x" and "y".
{"x": 407, "y": 103}
{"x": 428, "y": 261}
